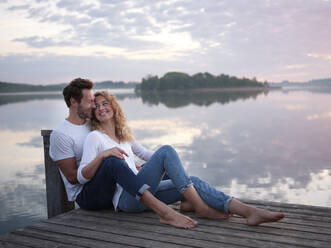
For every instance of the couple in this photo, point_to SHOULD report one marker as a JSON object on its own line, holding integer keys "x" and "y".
{"x": 96, "y": 162}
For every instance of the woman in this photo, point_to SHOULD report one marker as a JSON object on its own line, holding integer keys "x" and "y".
{"x": 111, "y": 131}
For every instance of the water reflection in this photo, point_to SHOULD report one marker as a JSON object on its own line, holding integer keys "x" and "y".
{"x": 287, "y": 190}
{"x": 14, "y": 98}
{"x": 204, "y": 98}
{"x": 22, "y": 199}
{"x": 258, "y": 145}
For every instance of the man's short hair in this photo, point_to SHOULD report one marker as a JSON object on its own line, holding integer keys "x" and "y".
{"x": 74, "y": 89}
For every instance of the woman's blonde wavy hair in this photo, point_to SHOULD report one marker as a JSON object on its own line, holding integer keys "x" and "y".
{"x": 122, "y": 130}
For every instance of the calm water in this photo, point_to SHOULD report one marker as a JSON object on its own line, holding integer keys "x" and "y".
{"x": 268, "y": 146}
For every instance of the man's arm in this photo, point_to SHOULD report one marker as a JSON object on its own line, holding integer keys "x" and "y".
{"x": 61, "y": 150}
{"x": 69, "y": 169}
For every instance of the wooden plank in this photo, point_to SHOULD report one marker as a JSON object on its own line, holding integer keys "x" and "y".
{"x": 294, "y": 209}
{"x": 57, "y": 201}
{"x": 316, "y": 209}
{"x": 99, "y": 239}
{"x": 108, "y": 228}
{"x": 223, "y": 228}
{"x": 238, "y": 222}
{"x": 302, "y": 219}
{"x": 44, "y": 237}
{"x": 204, "y": 237}
{"x": 162, "y": 234}
{"x": 36, "y": 242}
{"x": 7, "y": 244}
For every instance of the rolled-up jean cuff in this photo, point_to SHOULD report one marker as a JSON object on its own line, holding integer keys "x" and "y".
{"x": 141, "y": 191}
{"x": 226, "y": 205}
{"x": 184, "y": 188}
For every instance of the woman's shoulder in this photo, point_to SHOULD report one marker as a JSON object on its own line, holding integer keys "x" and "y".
{"x": 95, "y": 134}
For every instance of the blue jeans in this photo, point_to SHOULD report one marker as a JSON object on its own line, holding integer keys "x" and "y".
{"x": 99, "y": 191}
{"x": 166, "y": 160}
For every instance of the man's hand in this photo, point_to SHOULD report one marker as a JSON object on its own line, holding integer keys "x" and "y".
{"x": 138, "y": 167}
{"x": 115, "y": 151}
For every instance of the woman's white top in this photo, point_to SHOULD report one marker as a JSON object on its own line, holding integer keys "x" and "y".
{"x": 97, "y": 142}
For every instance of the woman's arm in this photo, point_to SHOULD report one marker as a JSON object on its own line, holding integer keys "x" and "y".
{"x": 93, "y": 157}
{"x": 91, "y": 168}
{"x": 141, "y": 151}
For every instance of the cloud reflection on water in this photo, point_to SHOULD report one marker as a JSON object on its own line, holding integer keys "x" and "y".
{"x": 22, "y": 198}
{"x": 287, "y": 190}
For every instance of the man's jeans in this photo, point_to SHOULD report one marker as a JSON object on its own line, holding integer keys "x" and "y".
{"x": 99, "y": 191}
{"x": 166, "y": 159}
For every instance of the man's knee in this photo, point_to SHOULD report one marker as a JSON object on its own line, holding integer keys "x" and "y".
{"x": 195, "y": 179}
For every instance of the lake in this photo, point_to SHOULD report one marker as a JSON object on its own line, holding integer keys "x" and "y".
{"x": 256, "y": 145}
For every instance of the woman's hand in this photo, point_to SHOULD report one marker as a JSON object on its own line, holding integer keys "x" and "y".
{"x": 115, "y": 151}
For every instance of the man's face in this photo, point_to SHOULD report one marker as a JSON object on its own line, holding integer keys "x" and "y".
{"x": 86, "y": 104}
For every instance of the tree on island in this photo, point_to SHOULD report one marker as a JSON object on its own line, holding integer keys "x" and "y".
{"x": 183, "y": 81}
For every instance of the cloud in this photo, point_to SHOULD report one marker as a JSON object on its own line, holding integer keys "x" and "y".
{"x": 259, "y": 38}
{"x": 18, "y": 7}
{"x": 39, "y": 42}
{"x": 74, "y": 5}
{"x": 320, "y": 56}
{"x": 295, "y": 66}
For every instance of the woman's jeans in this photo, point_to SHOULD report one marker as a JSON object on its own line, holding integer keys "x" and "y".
{"x": 166, "y": 160}
{"x": 99, "y": 191}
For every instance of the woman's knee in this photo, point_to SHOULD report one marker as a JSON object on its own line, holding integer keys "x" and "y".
{"x": 113, "y": 163}
{"x": 166, "y": 150}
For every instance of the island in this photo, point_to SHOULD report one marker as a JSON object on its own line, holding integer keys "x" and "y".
{"x": 174, "y": 81}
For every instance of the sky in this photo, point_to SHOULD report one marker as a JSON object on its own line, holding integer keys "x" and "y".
{"x": 54, "y": 41}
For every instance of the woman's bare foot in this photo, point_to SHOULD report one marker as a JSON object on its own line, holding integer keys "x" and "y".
{"x": 211, "y": 213}
{"x": 176, "y": 219}
{"x": 259, "y": 216}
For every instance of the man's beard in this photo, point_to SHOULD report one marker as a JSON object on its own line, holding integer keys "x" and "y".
{"x": 81, "y": 113}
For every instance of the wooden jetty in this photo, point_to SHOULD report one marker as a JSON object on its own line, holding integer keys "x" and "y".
{"x": 303, "y": 226}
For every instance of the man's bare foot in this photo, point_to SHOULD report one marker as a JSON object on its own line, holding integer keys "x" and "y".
{"x": 177, "y": 219}
{"x": 259, "y": 216}
{"x": 186, "y": 206}
{"x": 211, "y": 213}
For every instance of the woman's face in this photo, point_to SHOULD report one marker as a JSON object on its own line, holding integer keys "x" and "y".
{"x": 103, "y": 111}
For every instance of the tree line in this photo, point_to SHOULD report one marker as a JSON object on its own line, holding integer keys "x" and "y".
{"x": 18, "y": 87}
{"x": 182, "y": 81}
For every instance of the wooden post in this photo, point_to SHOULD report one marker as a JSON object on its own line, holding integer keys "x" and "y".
{"x": 57, "y": 201}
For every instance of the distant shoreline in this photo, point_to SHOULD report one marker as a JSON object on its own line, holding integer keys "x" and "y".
{"x": 55, "y": 92}
{"x": 237, "y": 89}
{"x": 220, "y": 89}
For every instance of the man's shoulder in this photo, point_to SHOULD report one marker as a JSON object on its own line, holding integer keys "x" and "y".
{"x": 67, "y": 128}
{"x": 61, "y": 127}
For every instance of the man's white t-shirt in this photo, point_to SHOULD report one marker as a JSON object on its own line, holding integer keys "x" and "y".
{"x": 67, "y": 141}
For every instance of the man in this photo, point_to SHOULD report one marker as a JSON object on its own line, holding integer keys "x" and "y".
{"x": 66, "y": 147}
{"x": 67, "y": 140}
